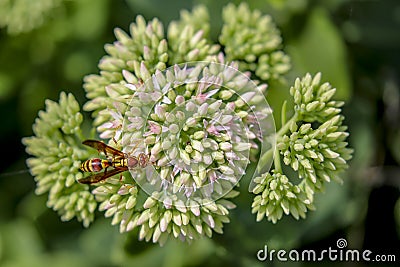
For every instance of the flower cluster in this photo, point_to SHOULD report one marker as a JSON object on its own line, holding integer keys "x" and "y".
{"x": 188, "y": 38}
{"x": 23, "y": 16}
{"x": 198, "y": 19}
{"x": 129, "y": 59}
{"x": 160, "y": 217}
{"x": 57, "y": 156}
{"x": 198, "y": 124}
{"x": 277, "y": 195}
{"x": 313, "y": 143}
{"x": 317, "y": 154}
{"x": 132, "y": 59}
{"x": 253, "y": 40}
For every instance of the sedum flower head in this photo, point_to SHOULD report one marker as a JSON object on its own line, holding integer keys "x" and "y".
{"x": 56, "y": 157}
{"x": 253, "y": 40}
{"x": 317, "y": 154}
{"x": 145, "y": 108}
{"x": 188, "y": 38}
{"x": 313, "y": 143}
{"x": 135, "y": 56}
{"x": 160, "y": 220}
{"x": 198, "y": 19}
{"x": 317, "y": 147}
{"x": 187, "y": 43}
{"x": 197, "y": 123}
{"x": 144, "y": 47}
{"x": 313, "y": 100}
{"x": 276, "y": 195}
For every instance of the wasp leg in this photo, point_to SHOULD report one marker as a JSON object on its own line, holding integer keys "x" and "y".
{"x": 115, "y": 141}
{"x": 133, "y": 149}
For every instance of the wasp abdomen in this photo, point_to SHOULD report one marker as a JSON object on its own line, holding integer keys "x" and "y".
{"x": 94, "y": 165}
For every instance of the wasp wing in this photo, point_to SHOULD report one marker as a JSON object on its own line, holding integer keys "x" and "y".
{"x": 102, "y": 147}
{"x": 98, "y": 177}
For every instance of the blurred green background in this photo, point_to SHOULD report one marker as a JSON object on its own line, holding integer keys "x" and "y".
{"x": 48, "y": 46}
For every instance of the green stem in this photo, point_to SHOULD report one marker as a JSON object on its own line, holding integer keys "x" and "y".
{"x": 267, "y": 155}
{"x": 277, "y": 161}
{"x": 283, "y": 113}
{"x": 264, "y": 158}
{"x": 286, "y": 127}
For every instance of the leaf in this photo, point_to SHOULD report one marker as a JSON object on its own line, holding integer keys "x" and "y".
{"x": 320, "y": 48}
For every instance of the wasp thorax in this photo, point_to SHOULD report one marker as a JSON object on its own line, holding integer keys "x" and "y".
{"x": 132, "y": 162}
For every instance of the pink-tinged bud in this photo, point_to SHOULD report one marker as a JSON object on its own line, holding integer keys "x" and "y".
{"x": 212, "y": 176}
{"x": 154, "y": 127}
{"x": 211, "y": 129}
{"x": 160, "y": 111}
{"x": 231, "y": 106}
{"x": 179, "y": 100}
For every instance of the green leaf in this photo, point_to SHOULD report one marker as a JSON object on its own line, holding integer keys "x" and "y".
{"x": 320, "y": 48}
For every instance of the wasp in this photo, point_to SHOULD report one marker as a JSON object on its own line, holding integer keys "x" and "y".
{"x": 116, "y": 159}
